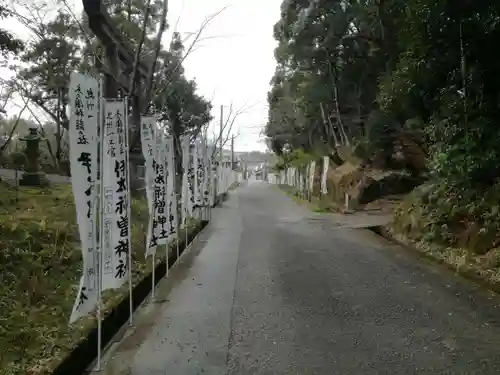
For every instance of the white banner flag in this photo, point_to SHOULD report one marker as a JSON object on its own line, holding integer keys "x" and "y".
{"x": 213, "y": 182}
{"x": 324, "y": 175}
{"x": 171, "y": 193}
{"x": 199, "y": 172}
{"x": 222, "y": 177}
{"x": 115, "y": 195}
{"x": 206, "y": 175}
{"x": 158, "y": 223}
{"x": 191, "y": 179}
{"x": 196, "y": 176}
{"x": 160, "y": 190}
{"x": 187, "y": 189}
{"x": 83, "y": 125}
{"x": 149, "y": 152}
{"x": 148, "y": 125}
{"x": 312, "y": 173}
{"x": 218, "y": 177}
{"x": 227, "y": 176}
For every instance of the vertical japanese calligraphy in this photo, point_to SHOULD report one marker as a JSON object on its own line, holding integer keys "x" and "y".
{"x": 206, "y": 175}
{"x": 171, "y": 193}
{"x": 154, "y": 152}
{"x": 148, "y": 124}
{"x": 84, "y": 118}
{"x": 187, "y": 197}
{"x": 149, "y": 152}
{"x": 220, "y": 177}
{"x": 160, "y": 190}
{"x": 115, "y": 224}
{"x": 213, "y": 182}
{"x": 191, "y": 178}
{"x": 198, "y": 172}
{"x": 224, "y": 176}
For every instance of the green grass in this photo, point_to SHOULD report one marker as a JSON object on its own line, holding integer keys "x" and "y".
{"x": 317, "y": 204}
{"x": 40, "y": 265}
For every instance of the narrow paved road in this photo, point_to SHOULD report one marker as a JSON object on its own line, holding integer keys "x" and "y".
{"x": 271, "y": 288}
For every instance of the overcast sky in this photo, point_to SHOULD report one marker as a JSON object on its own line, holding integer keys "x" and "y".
{"x": 236, "y": 65}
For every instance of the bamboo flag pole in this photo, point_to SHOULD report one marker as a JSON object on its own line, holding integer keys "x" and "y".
{"x": 177, "y": 245}
{"x": 167, "y": 247}
{"x": 153, "y": 261}
{"x": 98, "y": 220}
{"x": 130, "y": 264}
{"x": 177, "y": 221}
{"x": 186, "y": 233}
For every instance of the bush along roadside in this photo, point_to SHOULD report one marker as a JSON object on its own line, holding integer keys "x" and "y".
{"x": 461, "y": 236}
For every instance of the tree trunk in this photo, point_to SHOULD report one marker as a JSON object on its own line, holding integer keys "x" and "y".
{"x": 328, "y": 125}
{"x": 58, "y": 129}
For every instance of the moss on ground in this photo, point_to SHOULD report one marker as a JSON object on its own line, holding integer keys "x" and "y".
{"x": 40, "y": 263}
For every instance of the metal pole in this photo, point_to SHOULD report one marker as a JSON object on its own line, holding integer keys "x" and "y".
{"x": 153, "y": 277}
{"x": 167, "y": 248}
{"x": 99, "y": 223}
{"x": 177, "y": 244}
{"x": 130, "y": 284}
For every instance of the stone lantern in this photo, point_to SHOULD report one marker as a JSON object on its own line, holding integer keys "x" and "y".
{"x": 32, "y": 175}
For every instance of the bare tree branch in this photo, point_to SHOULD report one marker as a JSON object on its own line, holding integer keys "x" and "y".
{"x": 197, "y": 36}
{"x": 176, "y": 27}
{"x": 27, "y": 93}
{"x": 14, "y": 127}
{"x": 149, "y": 80}
{"x": 328, "y": 126}
{"x": 42, "y": 132}
{"x": 31, "y": 24}
{"x": 227, "y": 127}
{"x": 7, "y": 85}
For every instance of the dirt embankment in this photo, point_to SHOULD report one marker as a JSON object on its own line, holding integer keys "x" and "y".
{"x": 364, "y": 186}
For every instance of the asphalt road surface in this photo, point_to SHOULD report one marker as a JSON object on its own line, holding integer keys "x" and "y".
{"x": 271, "y": 288}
